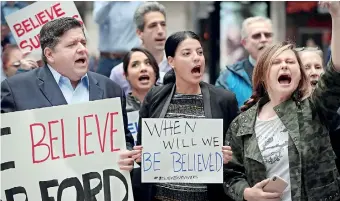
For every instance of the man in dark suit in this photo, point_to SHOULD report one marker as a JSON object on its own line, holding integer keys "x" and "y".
{"x": 64, "y": 79}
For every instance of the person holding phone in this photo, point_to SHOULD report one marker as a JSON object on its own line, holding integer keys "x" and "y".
{"x": 283, "y": 132}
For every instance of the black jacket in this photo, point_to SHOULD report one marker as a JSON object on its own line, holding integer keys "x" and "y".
{"x": 218, "y": 104}
{"x": 334, "y": 134}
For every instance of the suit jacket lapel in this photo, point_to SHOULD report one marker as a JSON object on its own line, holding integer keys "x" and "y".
{"x": 49, "y": 87}
{"x": 95, "y": 92}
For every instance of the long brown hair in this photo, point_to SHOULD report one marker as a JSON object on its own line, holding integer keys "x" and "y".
{"x": 261, "y": 71}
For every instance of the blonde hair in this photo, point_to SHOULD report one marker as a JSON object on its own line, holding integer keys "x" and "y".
{"x": 251, "y": 20}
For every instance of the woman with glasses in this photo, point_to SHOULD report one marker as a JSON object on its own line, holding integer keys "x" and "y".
{"x": 312, "y": 61}
{"x": 14, "y": 61}
{"x": 313, "y": 64}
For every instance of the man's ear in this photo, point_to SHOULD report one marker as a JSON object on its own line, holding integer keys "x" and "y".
{"x": 139, "y": 34}
{"x": 244, "y": 42}
{"x": 48, "y": 52}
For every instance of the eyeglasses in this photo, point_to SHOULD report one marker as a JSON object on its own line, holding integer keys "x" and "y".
{"x": 259, "y": 35}
{"x": 16, "y": 64}
{"x": 299, "y": 49}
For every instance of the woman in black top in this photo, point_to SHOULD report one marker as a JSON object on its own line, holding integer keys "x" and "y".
{"x": 185, "y": 95}
{"x": 142, "y": 72}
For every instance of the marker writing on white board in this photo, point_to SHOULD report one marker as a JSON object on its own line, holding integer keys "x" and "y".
{"x": 185, "y": 162}
{"x": 170, "y": 127}
{"x": 104, "y": 134}
{"x": 83, "y": 192}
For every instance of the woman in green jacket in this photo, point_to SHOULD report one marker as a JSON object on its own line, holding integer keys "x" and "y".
{"x": 283, "y": 130}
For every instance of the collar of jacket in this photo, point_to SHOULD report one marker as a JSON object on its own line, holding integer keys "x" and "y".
{"x": 206, "y": 100}
{"x": 286, "y": 111}
{"x": 239, "y": 69}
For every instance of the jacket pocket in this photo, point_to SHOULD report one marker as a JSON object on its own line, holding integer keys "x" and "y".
{"x": 329, "y": 192}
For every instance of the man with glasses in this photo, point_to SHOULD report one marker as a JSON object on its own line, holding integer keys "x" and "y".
{"x": 256, "y": 33}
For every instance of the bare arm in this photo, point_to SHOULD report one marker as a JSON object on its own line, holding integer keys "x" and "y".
{"x": 334, "y": 9}
{"x": 326, "y": 97}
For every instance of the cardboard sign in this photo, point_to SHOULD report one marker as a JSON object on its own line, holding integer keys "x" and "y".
{"x": 64, "y": 153}
{"x": 182, "y": 150}
{"x": 133, "y": 118}
{"x": 26, "y": 23}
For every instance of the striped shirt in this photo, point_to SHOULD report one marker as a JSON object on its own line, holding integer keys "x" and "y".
{"x": 183, "y": 106}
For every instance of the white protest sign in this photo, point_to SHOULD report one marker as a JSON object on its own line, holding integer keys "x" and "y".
{"x": 182, "y": 150}
{"x": 133, "y": 118}
{"x": 26, "y": 23}
{"x": 64, "y": 153}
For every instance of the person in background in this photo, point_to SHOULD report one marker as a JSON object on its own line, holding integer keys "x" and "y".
{"x": 312, "y": 61}
{"x": 116, "y": 32}
{"x": 150, "y": 20}
{"x": 311, "y": 43}
{"x": 2, "y": 73}
{"x": 142, "y": 72}
{"x": 7, "y": 8}
{"x": 14, "y": 61}
{"x": 284, "y": 130}
{"x": 256, "y": 34}
{"x": 185, "y": 55}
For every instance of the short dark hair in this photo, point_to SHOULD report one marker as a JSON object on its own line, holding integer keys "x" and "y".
{"x": 171, "y": 46}
{"x": 144, "y": 9}
{"x": 53, "y": 30}
{"x": 153, "y": 62}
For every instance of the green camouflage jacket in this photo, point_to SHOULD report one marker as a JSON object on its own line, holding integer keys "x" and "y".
{"x": 313, "y": 174}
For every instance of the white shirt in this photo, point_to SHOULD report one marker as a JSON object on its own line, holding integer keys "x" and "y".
{"x": 272, "y": 137}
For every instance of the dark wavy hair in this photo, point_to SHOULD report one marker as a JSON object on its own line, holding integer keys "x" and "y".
{"x": 261, "y": 71}
{"x": 152, "y": 60}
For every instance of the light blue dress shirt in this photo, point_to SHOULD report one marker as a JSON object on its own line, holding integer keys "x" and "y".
{"x": 78, "y": 95}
